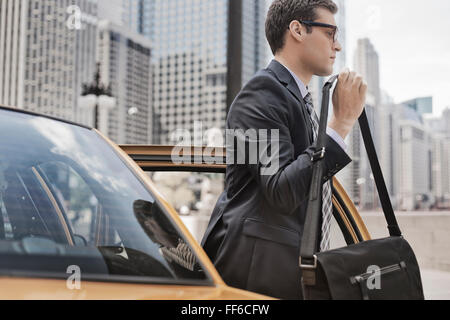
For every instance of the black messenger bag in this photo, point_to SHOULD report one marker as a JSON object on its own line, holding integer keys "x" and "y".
{"x": 384, "y": 269}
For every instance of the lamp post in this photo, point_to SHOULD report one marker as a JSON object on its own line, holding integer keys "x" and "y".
{"x": 96, "y": 95}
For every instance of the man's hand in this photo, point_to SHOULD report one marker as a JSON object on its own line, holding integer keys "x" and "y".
{"x": 349, "y": 99}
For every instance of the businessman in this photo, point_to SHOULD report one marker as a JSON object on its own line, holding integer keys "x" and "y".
{"x": 254, "y": 235}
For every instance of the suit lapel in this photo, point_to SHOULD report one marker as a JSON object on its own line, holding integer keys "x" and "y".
{"x": 285, "y": 78}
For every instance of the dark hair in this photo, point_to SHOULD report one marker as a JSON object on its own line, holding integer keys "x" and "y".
{"x": 283, "y": 12}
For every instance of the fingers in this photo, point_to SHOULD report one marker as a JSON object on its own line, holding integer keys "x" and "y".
{"x": 353, "y": 79}
{"x": 344, "y": 75}
{"x": 357, "y": 81}
{"x": 363, "y": 89}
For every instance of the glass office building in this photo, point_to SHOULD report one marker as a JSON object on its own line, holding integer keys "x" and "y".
{"x": 190, "y": 60}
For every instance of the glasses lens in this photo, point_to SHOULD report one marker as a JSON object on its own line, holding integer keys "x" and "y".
{"x": 336, "y": 35}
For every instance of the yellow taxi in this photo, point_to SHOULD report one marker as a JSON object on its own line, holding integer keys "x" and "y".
{"x": 81, "y": 218}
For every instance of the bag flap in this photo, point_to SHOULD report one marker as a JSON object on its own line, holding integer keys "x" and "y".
{"x": 342, "y": 264}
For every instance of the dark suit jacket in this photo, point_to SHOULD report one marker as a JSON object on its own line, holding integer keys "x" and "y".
{"x": 255, "y": 231}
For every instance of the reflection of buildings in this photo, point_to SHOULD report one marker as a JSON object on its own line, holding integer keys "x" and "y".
{"x": 47, "y": 52}
{"x": 125, "y": 66}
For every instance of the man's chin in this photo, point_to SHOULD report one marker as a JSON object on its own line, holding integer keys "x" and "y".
{"x": 325, "y": 73}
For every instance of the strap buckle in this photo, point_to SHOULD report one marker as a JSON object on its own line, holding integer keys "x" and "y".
{"x": 308, "y": 265}
{"x": 308, "y": 272}
{"x": 318, "y": 155}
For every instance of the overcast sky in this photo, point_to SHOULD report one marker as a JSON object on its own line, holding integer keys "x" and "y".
{"x": 412, "y": 38}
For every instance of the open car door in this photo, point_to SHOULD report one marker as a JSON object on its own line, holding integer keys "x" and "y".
{"x": 156, "y": 159}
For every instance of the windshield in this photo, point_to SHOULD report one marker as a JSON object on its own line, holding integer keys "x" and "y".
{"x": 67, "y": 199}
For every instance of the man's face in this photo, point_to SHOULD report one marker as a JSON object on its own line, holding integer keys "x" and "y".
{"x": 319, "y": 50}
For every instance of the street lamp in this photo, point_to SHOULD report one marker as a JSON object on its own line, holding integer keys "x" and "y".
{"x": 96, "y": 95}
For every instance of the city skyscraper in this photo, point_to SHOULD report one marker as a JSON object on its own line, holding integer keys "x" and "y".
{"x": 190, "y": 59}
{"x": 415, "y": 158}
{"x": 440, "y": 133}
{"x": 421, "y": 105}
{"x": 136, "y": 15}
{"x": 48, "y": 52}
{"x": 366, "y": 63}
{"x": 125, "y": 67}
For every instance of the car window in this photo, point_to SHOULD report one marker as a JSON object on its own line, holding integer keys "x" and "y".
{"x": 66, "y": 198}
{"x": 192, "y": 194}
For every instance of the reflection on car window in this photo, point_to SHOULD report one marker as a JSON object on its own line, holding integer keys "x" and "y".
{"x": 67, "y": 199}
{"x": 76, "y": 199}
{"x": 193, "y": 194}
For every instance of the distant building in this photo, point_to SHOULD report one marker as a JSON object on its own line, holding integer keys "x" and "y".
{"x": 366, "y": 63}
{"x": 48, "y": 52}
{"x": 190, "y": 59}
{"x": 415, "y": 189}
{"x": 126, "y": 67}
{"x": 439, "y": 130}
{"x": 135, "y": 15}
{"x": 446, "y": 119}
{"x": 421, "y": 105}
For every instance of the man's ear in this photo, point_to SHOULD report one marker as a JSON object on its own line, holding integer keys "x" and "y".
{"x": 296, "y": 28}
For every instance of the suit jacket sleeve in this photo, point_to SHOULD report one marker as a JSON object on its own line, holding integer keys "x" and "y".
{"x": 283, "y": 178}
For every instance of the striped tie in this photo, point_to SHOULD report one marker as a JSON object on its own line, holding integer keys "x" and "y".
{"x": 327, "y": 208}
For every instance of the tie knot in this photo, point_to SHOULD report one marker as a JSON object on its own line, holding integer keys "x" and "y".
{"x": 308, "y": 98}
{"x": 309, "y": 102}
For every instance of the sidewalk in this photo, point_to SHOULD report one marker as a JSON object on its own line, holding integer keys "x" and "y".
{"x": 436, "y": 284}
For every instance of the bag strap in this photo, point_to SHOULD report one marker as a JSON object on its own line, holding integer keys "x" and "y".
{"x": 310, "y": 241}
{"x": 394, "y": 229}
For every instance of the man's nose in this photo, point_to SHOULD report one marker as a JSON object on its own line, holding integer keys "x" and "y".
{"x": 337, "y": 46}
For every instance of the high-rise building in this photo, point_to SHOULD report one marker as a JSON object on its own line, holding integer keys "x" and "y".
{"x": 421, "y": 105}
{"x": 415, "y": 159}
{"x": 190, "y": 59}
{"x": 389, "y": 146}
{"x": 440, "y": 186}
{"x": 126, "y": 68}
{"x": 136, "y": 15}
{"x": 366, "y": 63}
{"x": 48, "y": 51}
{"x": 446, "y": 119}
{"x": 114, "y": 11}
{"x": 439, "y": 131}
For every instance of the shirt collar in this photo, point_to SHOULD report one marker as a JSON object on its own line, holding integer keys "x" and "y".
{"x": 303, "y": 89}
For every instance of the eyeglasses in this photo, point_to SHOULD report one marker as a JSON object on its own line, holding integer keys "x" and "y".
{"x": 333, "y": 35}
